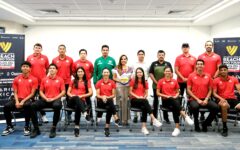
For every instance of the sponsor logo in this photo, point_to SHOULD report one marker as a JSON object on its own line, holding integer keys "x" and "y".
{"x": 231, "y": 49}
{"x": 5, "y": 46}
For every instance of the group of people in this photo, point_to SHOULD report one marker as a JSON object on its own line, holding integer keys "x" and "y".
{"x": 205, "y": 80}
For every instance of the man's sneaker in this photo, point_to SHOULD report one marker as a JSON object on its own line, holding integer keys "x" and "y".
{"x": 44, "y": 119}
{"x": 35, "y": 132}
{"x": 88, "y": 119}
{"x": 145, "y": 131}
{"x": 106, "y": 132}
{"x": 7, "y": 130}
{"x": 189, "y": 121}
{"x": 135, "y": 119}
{"x": 52, "y": 132}
{"x": 157, "y": 123}
{"x": 117, "y": 122}
{"x": 76, "y": 132}
{"x": 225, "y": 132}
{"x": 176, "y": 132}
{"x": 197, "y": 128}
{"x": 26, "y": 131}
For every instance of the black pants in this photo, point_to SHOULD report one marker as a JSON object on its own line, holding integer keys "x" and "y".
{"x": 89, "y": 106}
{"x": 211, "y": 106}
{"x": 40, "y": 104}
{"x": 144, "y": 106}
{"x": 37, "y": 95}
{"x": 109, "y": 105}
{"x": 10, "y": 106}
{"x": 78, "y": 105}
{"x": 174, "y": 105}
{"x": 183, "y": 87}
{"x": 156, "y": 104}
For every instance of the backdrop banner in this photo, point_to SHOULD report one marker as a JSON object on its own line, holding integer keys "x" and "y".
{"x": 11, "y": 56}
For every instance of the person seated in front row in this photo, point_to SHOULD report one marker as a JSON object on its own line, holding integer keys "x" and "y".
{"x": 24, "y": 87}
{"x": 199, "y": 88}
{"x": 223, "y": 91}
{"x": 79, "y": 89}
{"x": 106, "y": 89}
{"x": 168, "y": 90}
{"x": 139, "y": 92}
{"x": 51, "y": 90}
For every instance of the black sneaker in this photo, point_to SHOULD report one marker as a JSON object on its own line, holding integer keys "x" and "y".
{"x": 107, "y": 132}
{"x": 87, "y": 118}
{"x": 8, "y": 130}
{"x": 35, "y": 132}
{"x": 135, "y": 119}
{"x": 117, "y": 122}
{"x": 26, "y": 131}
{"x": 225, "y": 132}
{"x": 52, "y": 133}
{"x": 197, "y": 128}
{"x": 76, "y": 132}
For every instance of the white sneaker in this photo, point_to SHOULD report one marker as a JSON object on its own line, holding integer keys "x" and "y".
{"x": 157, "y": 123}
{"x": 189, "y": 120}
{"x": 99, "y": 120}
{"x": 145, "y": 131}
{"x": 176, "y": 132}
{"x": 44, "y": 119}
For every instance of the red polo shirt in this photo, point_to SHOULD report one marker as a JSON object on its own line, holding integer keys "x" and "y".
{"x": 64, "y": 68}
{"x": 24, "y": 85}
{"x": 39, "y": 66}
{"x": 87, "y": 65}
{"x": 211, "y": 62}
{"x": 140, "y": 90}
{"x": 81, "y": 88}
{"x": 185, "y": 64}
{"x": 52, "y": 87}
{"x": 199, "y": 84}
{"x": 168, "y": 87}
{"x": 106, "y": 87}
{"x": 225, "y": 88}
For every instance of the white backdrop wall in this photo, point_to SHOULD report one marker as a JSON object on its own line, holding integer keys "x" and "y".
{"x": 12, "y": 27}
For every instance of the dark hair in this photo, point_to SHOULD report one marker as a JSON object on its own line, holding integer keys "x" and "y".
{"x": 53, "y": 65}
{"x": 200, "y": 61}
{"x": 161, "y": 51}
{"x": 106, "y": 68}
{"x": 38, "y": 44}
{"x": 62, "y": 46}
{"x": 119, "y": 66}
{"x": 168, "y": 67}
{"x": 81, "y": 50}
{"x": 76, "y": 79}
{"x": 27, "y": 63}
{"x": 105, "y": 46}
{"x": 136, "y": 79}
{"x": 185, "y": 45}
{"x": 141, "y": 51}
{"x": 208, "y": 41}
{"x": 223, "y": 66}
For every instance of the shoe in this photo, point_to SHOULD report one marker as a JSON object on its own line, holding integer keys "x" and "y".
{"x": 52, "y": 133}
{"x": 157, "y": 123}
{"x": 135, "y": 119}
{"x": 26, "y": 131}
{"x": 118, "y": 123}
{"x": 35, "y": 132}
{"x": 8, "y": 130}
{"x": 106, "y": 132}
{"x": 145, "y": 131}
{"x": 224, "y": 132}
{"x": 76, "y": 132}
{"x": 44, "y": 119}
{"x": 87, "y": 118}
{"x": 204, "y": 127}
{"x": 197, "y": 128}
{"x": 189, "y": 121}
{"x": 176, "y": 132}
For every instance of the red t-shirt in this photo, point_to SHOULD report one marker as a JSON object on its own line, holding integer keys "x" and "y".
{"x": 211, "y": 62}
{"x": 199, "y": 84}
{"x": 140, "y": 90}
{"x": 39, "y": 66}
{"x": 24, "y": 85}
{"x": 52, "y": 87}
{"x": 106, "y": 87}
{"x": 87, "y": 65}
{"x": 186, "y": 65}
{"x": 64, "y": 68}
{"x": 225, "y": 88}
{"x": 81, "y": 88}
{"x": 168, "y": 87}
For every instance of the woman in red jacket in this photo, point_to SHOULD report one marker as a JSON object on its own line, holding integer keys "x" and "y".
{"x": 139, "y": 93}
{"x": 79, "y": 89}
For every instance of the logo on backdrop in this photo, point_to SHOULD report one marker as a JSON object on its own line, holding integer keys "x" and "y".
{"x": 5, "y": 46}
{"x": 232, "y": 49}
